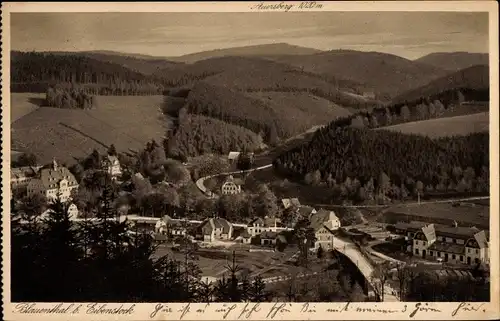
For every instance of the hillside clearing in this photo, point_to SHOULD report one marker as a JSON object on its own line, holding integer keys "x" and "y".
{"x": 315, "y": 109}
{"x": 128, "y": 122}
{"x": 441, "y": 127}
{"x": 24, "y": 103}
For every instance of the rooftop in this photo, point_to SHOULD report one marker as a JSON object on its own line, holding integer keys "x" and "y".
{"x": 447, "y": 247}
{"x": 441, "y": 230}
{"x": 322, "y": 217}
{"x": 233, "y": 155}
{"x": 268, "y": 235}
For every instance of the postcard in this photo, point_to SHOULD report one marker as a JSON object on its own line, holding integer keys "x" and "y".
{"x": 250, "y": 160}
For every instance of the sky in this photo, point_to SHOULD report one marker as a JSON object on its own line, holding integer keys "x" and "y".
{"x": 407, "y": 34}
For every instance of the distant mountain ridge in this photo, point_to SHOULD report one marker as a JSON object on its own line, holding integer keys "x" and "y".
{"x": 454, "y": 61}
{"x": 385, "y": 73}
{"x": 255, "y": 50}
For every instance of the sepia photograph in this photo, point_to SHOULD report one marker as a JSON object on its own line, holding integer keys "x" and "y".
{"x": 268, "y": 156}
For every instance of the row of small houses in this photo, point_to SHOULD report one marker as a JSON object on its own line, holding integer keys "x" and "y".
{"x": 267, "y": 231}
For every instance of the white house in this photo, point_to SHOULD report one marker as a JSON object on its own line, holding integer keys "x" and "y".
{"x": 72, "y": 211}
{"x": 214, "y": 229}
{"x": 55, "y": 181}
{"x": 327, "y": 218}
{"x": 111, "y": 165}
{"x": 262, "y": 225}
{"x": 231, "y": 186}
{"x": 458, "y": 245}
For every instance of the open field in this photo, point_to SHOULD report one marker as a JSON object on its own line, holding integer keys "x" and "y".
{"x": 465, "y": 213}
{"x": 450, "y": 126}
{"x": 24, "y": 103}
{"x": 128, "y": 122}
{"x": 307, "y": 109}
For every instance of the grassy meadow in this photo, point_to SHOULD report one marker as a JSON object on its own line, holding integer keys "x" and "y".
{"x": 128, "y": 122}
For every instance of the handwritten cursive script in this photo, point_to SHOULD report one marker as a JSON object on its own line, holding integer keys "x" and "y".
{"x": 282, "y": 6}
{"x": 468, "y": 307}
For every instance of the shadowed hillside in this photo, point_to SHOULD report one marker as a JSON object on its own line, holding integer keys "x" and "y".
{"x": 385, "y": 73}
{"x": 454, "y": 61}
{"x": 473, "y": 79}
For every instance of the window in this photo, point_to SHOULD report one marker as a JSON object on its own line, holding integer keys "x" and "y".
{"x": 453, "y": 256}
{"x": 468, "y": 250}
{"x": 432, "y": 253}
{"x": 439, "y": 254}
{"x": 416, "y": 251}
{"x": 477, "y": 251}
{"x": 461, "y": 258}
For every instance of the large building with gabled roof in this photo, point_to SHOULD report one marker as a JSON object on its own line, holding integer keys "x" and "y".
{"x": 458, "y": 245}
{"x": 53, "y": 182}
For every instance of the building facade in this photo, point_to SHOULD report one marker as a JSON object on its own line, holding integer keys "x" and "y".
{"x": 21, "y": 176}
{"x": 262, "y": 225}
{"x": 456, "y": 245}
{"x": 53, "y": 182}
{"x": 231, "y": 186}
{"x": 111, "y": 165}
{"x": 214, "y": 229}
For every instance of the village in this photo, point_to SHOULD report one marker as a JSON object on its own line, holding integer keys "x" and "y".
{"x": 267, "y": 246}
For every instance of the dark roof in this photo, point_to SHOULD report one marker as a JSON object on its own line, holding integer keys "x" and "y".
{"x": 50, "y": 177}
{"x": 245, "y": 234}
{"x": 321, "y": 217}
{"x": 268, "y": 235}
{"x": 226, "y": 226}
{"x": 257, "y": 220}
{"x": 305, "y": 210}
{"x": 442, "y": 230}
{"x": 447, "y": 247}
{"x": 465, "y": 232}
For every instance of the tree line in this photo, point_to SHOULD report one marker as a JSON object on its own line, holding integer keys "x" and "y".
{"x": 361, "y": 164}
{"x": 69, "y": 98}
{"x": 35, "y": 72}
{"x": 197, "y": 135}
{"x": 102, "y": 262}
{"x": 425, "y": 108}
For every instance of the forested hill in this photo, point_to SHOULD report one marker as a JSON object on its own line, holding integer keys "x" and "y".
{"x": 252, "y": 73}
{"x": 454, "y": 61}
{"x": 265, "y": 50}
{"x": 335, "y": 154}
{"x": 146, "y": 65}
{"x": 473, "y": 80}
{"x": 384, "y": 73}
{"x": 34, "y": 72}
